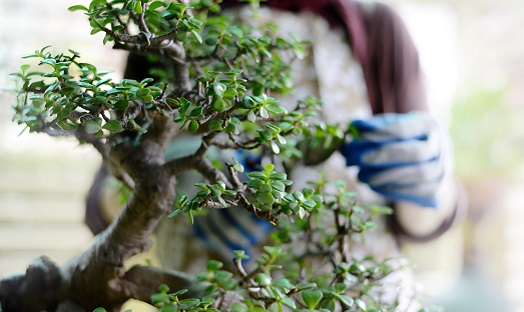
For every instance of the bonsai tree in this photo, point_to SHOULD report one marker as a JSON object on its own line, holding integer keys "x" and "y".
{"x": 216, "y": 80}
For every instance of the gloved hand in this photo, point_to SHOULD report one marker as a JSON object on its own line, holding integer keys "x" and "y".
{"x": 399, "y": 155}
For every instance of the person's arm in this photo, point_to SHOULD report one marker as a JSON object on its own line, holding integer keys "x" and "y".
{"x": 394, "y": 80}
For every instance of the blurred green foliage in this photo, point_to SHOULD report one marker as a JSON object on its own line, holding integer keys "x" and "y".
{"x": 485, "y": 135}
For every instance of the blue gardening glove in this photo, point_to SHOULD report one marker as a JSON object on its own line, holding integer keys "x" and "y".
{"x": 226, "y": 230}
{"x": 399, "y": 156}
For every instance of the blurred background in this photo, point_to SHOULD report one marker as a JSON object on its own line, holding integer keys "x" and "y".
{"x": 472, "y": 52}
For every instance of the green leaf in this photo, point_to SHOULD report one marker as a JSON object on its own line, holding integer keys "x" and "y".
{"x": 348, "y": 301}
{"x": 197, "y": 35}
{"x": 289, "y": 302}
{"x": 208, "y": 301}
{"x": 138, "y": 7}
{"x": 221, "y": 275}
{"x": 78, "y": 8}
{"x": 263, "y": 113}
{"x": 278, "y": 176}
{"x": 211, "y": 40}
{"x": 217, "y": 104}
{"x": 311, "y": 298}
{"x": 285, "y": 126}
{"x": 307, "y": 286}
{"x": 156, "y": 4}
{"x": 264, "y": 188}
{"x": 369, "y": 225}
{"x": 298, "y": 195}
{"x": 268, "y": 168}
{"x": 257, "y": 175}
{"x": 121, "y": 104}
{"x": 241, "y": 254}
{"x": 137, "y": 126}
{"x": 163, "y": 288}
{"x": 218, "y": 89}
{"x": 197, "y": 111}
{"x": 113, "y": 126}
{"x": 309, "y": 203}
{"x": 275, "y": 148}
{"x": 143, "y": 92}
{"x": 230, "y": 93}
{"x": 179, "y": 292}
{"x": 193, "y": 126}
{"x": 190, "y": 217}
{"x": 262, "y": 279}
{"x": 277, "y": 185}
{"x": 213, "y": 265}
{"x": 19, "y": 75}
{"x": 180, "y": 36}
{"x": 283, "y": 283}
{"x": 265, "y": 198}
{"x": 91, "y": 126}
{"x": 215, "y": 125}
{"x": 84, "y": 84}
{"x": 239, "y": 307}
{"x": 71, "y": 84}
{"x": 147, "y": 99}
{"x": 95, "y": 30}
{"x": 173, "y": 102}
{"x": 190, "y": 303}
{"x": 231, "y": 128}
{"x": 101, "y": 99}
{"x": 170, "y": 308}
{"x": 36, "y": 97}
{"x": 25, "y": 67}
{"x": 107, "y": 38}
{"x": 195, "y": 22}
{"x": 275, "y": 109}
{"x": 264, "y": 135}
{"x": 341, "y": 287}
{"x": 174, "y": 213}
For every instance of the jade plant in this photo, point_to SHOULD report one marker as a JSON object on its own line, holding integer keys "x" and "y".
{"x": 218, "y": 80}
